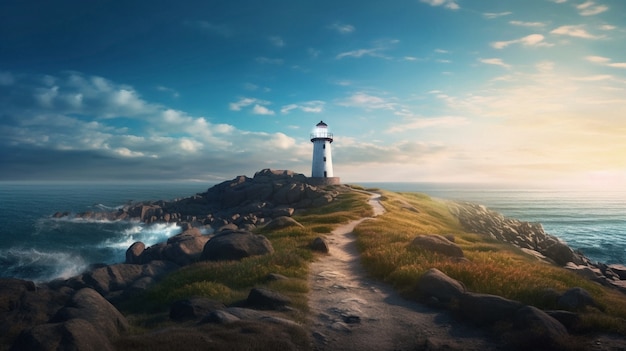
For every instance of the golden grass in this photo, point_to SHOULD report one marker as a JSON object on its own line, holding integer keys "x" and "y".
{"x": 491, "y": 267}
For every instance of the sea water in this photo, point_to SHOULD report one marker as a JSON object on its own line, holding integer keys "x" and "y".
{"x": 36, "y": 246}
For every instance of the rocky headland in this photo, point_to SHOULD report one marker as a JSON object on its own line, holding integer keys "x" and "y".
{"x": 80, "y": 313}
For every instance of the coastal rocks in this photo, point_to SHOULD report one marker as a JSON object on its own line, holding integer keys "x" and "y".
{"x": 576, "y": 299}
{"x": 193, "y": 308}
{"x": 266, "y": 299}
{"x": 282, "y": 222}
{"x": 87, "y": 322}
{"x": 242, "y": 202}
{"x": 531, "y": 238}
{"x": 438, "y": 244}
{"x": 181, "y": 249}
{"x": 118, "y": 280}
{"x": 435, "y": 286}
{"x": 235, "y": 245}
{"x": 528, "y": 325}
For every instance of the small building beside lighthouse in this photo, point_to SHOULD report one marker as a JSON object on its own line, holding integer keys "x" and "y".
{"x": 322, "y": 165}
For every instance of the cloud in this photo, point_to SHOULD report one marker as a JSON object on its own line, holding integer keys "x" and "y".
{"x": 367, "y": 101}
{"x": 315, "y": 106}
{"x": 527, "y": 24}
{"x": 529, "y": 40}
{"x": 442, "y": 51}
{"x": 449, "y": 4}
{"x": 209, "y": 27}
{"x": 589, "y": 8}
{"x": 559, "y": 1}
{"x": 342, "y": 28}
{"x": 103, "y": 135}
{"x": 605, "y": 61}
{"x": 495, "y": 61}
{"x": 577, "y": 31}
{"x": 171, "y": 91}
{"x": 375, "y": 52}
{"x": 269, "y": 61}
{"x": 277, "y": 41}
{"x": 492, "y": 15}
{"x": 431, "y": 122}
{"x": 607, "y": 27}
{"x": 261, "y": 110}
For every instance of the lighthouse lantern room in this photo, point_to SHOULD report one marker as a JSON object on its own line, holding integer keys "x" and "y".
{"x": 322, "y": 156}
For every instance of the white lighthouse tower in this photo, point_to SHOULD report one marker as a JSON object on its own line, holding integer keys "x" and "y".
{"x": 322, "y": 168}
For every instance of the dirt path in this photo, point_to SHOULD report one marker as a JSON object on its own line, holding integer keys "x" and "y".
{"x": 350, "y": 311}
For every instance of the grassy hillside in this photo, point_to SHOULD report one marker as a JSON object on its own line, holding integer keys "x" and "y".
{"x": 491, "y": 267}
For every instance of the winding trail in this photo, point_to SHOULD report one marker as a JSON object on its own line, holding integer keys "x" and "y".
{"x": 351, "y": 311}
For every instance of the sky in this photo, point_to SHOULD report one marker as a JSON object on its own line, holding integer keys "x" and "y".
{"x": 489, "y": 91}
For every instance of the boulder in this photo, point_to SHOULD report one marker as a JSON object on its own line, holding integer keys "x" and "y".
{"x": 133, "y": 254}
{"x": 235, "y": 245}
{"x": 535, "y": 329}
{"x": 193, "y": 308}
{"x": 74, "y": 334}
{"x": 220, "y": 317}
{"x": 90, "y": 306}
{"x": 282, "y": 222}
{"x": 266, "y": 299}
{"x": 484, "y": 309}
{"x": 619, "y": 269}
{"x": 434, "y": 284}
{"x": 320, "y": 245}
{"x": 185, "y": 250}
{"x": 576, "y": 299}
{"x": 114, "y": 277}
{"x": 438, "y": 244}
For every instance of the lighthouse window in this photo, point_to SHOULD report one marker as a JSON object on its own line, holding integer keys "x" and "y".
{"x": 324, "y": 158}
{"x": 324, "y": 146}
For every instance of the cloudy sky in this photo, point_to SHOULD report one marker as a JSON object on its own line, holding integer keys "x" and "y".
{"x": 530, "y": 91}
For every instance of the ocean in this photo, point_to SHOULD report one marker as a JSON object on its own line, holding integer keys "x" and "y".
{"x": 35, "y": 246}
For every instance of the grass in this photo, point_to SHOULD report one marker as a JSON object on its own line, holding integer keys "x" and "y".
{"x": 491, "y": 267}
{"x": 231, "y": 281}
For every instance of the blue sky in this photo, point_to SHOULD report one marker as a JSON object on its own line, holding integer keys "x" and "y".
{"x": 518, "y": 91}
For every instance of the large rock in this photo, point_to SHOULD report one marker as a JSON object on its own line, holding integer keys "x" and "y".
{"x": 486, "y": 309}
{"x": 267, "y": 299}
{"x": 320, "y": 245}
{"x": 133, "y": 254}
{"x": 534, "y": 329}
{"x": 74, "y": 334}
{"x": 235, "y": 245}
{"x": 193, "y": 308}
{"x": 434, "y": 284}
{"x": 576, "y": 299}
{"x": 438, "y": 244}
{"x": 90, "y": 306}
{"x": 282, "y": 222}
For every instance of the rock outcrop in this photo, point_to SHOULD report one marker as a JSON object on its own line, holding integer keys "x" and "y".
{"x": 243, "y": 201}
{"x": 236, "y": 245}
{"x": 532, "y": 239}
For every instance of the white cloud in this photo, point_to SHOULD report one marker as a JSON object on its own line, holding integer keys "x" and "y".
{"x": 243, "y": 102}
{"x": 527, "y": 24}
{"x": 261, "y": 110}
{"x": 367, "y": 101}
{"x": 431, "y": 122}
{"x": 449, "y": 4}
{"x": 605, "y": 61}
{"x": 441, "y": 51}
{"x": 529, "y": 40}
{"x": 315, "y": 106}
{"x": 589, "y": 8}
{"x": 171, "y": 91}
{"x": 342, "y": 28}
{"x": 375, "y": 52}
{"x": 495, "y": 61}
{"x": 577, "y": 31}
{"x": 277, "y": 41}
{"x": 559, "y": 1}
{"x": 607, "y": 27}
{"x": 492, "y": 15}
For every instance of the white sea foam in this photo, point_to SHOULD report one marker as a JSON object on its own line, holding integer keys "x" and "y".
{"x": 40, "y": 265}
{"x": 147, "y": 234}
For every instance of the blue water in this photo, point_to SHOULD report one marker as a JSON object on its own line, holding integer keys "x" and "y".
{"x": 37, "y": 247}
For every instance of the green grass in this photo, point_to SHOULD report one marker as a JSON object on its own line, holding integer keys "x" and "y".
{"x": 231, "y": 281}
{"x": 491, "y": 267}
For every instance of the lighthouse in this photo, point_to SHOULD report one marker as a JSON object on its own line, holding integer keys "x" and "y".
{"x": 322, "y": 168}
